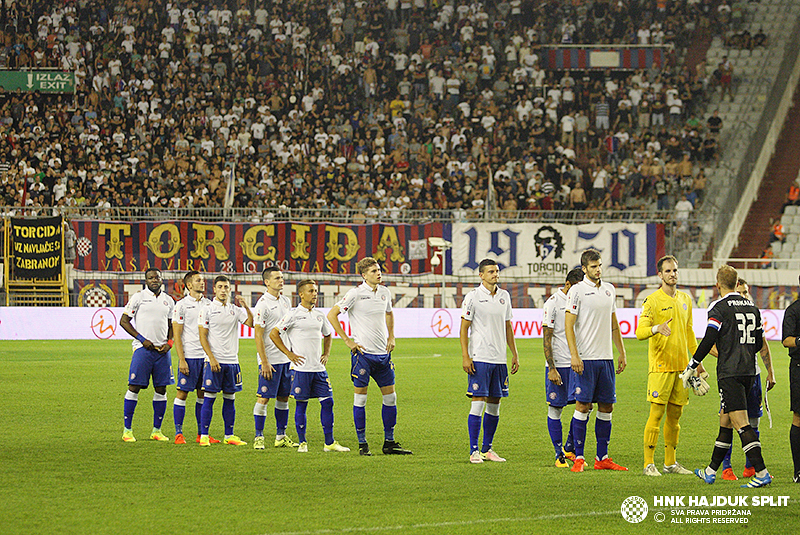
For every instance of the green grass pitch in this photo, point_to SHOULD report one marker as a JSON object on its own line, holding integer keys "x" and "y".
{"x": 66, "y": 470}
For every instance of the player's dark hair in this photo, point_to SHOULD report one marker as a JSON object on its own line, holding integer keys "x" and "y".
{"x": 148, "y": 270}
{"x": 303, "y": 283}
{"x": 486, "y": 262}
{"x": 268, "y": 271}
{"x": 663, "y": 259}
{"x": 365, "y": 263}
{"x": 188, "y": 276}
{"x": 575, "y": 275}
{"x": 740, "y": 281}
{"x": 589, "y": 255}
{"x": 727, "y": 277}
{"x": 221, "y": 278}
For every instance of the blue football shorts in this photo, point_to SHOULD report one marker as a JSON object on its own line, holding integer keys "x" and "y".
{"x": 563, "y": 395}
{"x": 227, "y": 380}
{"x": 279, "y": 386}
{"x": 149, "y": 362}
{"x": 307, "y": 385}
{"x": 489, "y": 380}
{"x": 366, "y": 365}
{"x": 193, "y": 381}
{"x": 597, "y": 384}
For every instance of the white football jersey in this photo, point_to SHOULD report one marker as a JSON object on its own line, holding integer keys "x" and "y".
{"x": 367, "y": 311}
{"x": 488, "y": 315}
{"x": 304, "y": 330}
{"x": 594, "y": 307}
{"x": 222, "y": 322}
{"x": 187, "y": 312}
{"x": 267, "y": 313}
{"x": 151, "y": 314}
{"x": 553, "y": 317}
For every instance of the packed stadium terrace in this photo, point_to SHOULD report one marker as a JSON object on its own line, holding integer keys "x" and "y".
{"x": 373, "y": 105}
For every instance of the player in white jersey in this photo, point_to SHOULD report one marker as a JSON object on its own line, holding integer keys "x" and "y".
{"x": 151, "y": 310}
{"x": 274, "y": 375}
{"x": 558, "y": 382}
{"x": 369, "y": 309}
{"x": 485, "y": 331}
{"x": 591, "y": 324}
{"x": 303, "y": 328}
{"x": 191, "y": 356}
{"x": 218, "y": 324}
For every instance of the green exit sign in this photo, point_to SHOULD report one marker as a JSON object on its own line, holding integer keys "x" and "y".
{"x": 42, "y": 81}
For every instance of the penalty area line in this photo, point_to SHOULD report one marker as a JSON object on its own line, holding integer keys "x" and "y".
{"x": 372, "y": 529}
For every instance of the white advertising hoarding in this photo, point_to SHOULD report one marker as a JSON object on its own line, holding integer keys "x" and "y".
{"x": 57, "y": 323}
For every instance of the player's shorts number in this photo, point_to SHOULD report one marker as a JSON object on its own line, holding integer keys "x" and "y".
{"x": 747, "y": 324}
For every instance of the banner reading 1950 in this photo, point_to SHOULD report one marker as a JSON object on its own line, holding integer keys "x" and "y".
{"x": 250, "y": 247}
{"x": 37, "y": 247}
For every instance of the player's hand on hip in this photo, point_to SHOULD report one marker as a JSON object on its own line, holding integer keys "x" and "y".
{"x": 664, "y": 328}
{"x": 622, "y": 363}
{"x": 390, "y": 345}
{"x": 215, "y": 367}
{"x": 354, "y": 347}
{"x": 295, "y": 358}
{"x": 514, "y": 364}
{"x": 553, "y": 376}
{"x": 577, "y": 365}
{"x": 468, "y": 365}
{"x": 267, "y": 371}
{"x": 183, "y": 367}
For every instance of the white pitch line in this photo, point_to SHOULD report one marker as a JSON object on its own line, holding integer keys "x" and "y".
{"x": 444, "y": 524}
{"x": 372, "y": 529}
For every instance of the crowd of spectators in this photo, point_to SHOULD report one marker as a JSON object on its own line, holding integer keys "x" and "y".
{"x": 373, "y": 105}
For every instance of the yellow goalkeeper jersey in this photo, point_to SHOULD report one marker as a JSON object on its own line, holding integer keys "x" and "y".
{"x": 668, "y": 353}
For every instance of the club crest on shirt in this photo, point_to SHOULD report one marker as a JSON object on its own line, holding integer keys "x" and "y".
{"x": 577, "y": 390}
{"x": 133, "y": 376}
{"x": 655, "y": 393}
{"x": 552, "y": 395}
{"x": 684, "y": 306}
{"x": 208, "y": 382}
{"x": 319, "y": 319}
{"x": 297, "y": 390}
{"x": 475, "y": 386}
{"x": 230, "y": 312}
{"x": 383, "y": 298}
{"x": 164, "y": 302}
{"x": 502, "y": 301}
{"x": 608, "y": 294}
{"x": 362, "y": 371}
{"x": 183, "y": 380}
{"x": 263, "y": 388}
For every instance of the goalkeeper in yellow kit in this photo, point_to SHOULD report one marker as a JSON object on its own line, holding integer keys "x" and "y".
{"x": 666, "y": 320}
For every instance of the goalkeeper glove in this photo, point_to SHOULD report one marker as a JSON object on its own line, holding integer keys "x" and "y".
{"x": 701, "y": 387}
{"x": 689, "y": 378}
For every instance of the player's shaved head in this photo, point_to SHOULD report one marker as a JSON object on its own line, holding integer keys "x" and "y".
{"x": 588, "y": 256}
{"x": 188, "y": 276}
{"x": 727, "y": 277}
{"x": 486, "y": 262}
{"x": 267, "y": 273}
{"x": 668, "y": 258}
{"x": 575, "y": 275}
